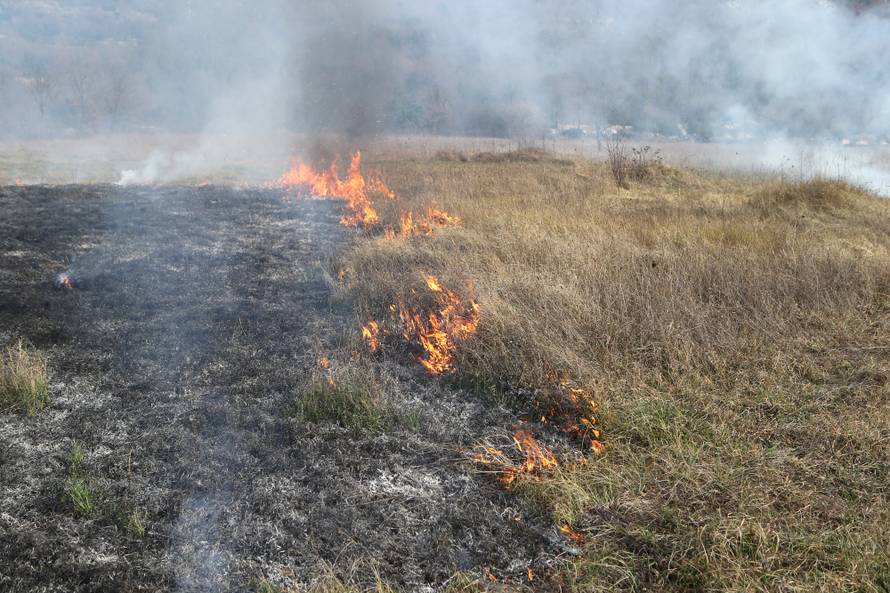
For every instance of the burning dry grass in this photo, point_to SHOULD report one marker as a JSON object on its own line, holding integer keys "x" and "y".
{"x": 23, "y": 380}
{"x": 735, "y": 332}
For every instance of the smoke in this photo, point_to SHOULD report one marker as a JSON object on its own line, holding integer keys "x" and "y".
{"x": 703, "y": 69}
{"x": 506, "y": 67}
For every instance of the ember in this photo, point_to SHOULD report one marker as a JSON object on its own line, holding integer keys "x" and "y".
{"x": 63, "y": 282}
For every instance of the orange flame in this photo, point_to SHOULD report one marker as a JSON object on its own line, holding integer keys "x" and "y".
{"x": 355, "y": 189}
{"x": 409, "y": 225}
{"x": 20, "y": 182}
{"x": 574, "y": 408}
{"x": 371, "y": 332}
{"x": 439, "y": 331}
{"x": 324, "y": 363}
{"x": 536, "y": 458}
{"x": 571, "y": 534}
{"x": 536, "y": 455}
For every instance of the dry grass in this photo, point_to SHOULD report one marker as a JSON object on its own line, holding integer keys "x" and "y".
{"x": 23, "y": 380}
{"x": 735, "y": 330}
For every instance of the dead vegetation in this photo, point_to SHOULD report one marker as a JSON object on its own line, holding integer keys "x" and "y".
{"x": 24, "y": 384}
{"x": 734, "y": 331}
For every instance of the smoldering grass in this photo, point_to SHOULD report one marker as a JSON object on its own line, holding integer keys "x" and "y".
{"x": 24, "y": 383}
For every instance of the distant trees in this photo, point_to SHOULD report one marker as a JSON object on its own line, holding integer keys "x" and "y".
{"x": 87, "y": 93}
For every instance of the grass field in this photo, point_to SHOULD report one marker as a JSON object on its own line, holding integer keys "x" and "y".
{"x": 734, "y": 330}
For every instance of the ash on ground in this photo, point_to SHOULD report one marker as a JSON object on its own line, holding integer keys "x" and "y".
{"x": 174, "y": 371}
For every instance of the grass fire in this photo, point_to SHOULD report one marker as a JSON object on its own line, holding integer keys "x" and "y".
{"x": 526, "y": 297}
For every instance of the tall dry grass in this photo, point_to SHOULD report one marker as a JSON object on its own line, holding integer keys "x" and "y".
{"x": 680, "y": 278}
{"x": 736, "y": 331}
{"x": 23, "y": 379}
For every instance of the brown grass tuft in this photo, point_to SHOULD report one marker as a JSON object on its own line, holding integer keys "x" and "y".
{"x": 820, "y": 193}
{"x": 23, "y": 379}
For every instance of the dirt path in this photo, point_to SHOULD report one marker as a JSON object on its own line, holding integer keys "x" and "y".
{"x": 195, "y": 313}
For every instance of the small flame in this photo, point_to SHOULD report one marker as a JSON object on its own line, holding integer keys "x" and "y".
{"x": 324, "y": 364}
{"x": 536, "y": 458}
{"x": 20, "y": 182}
{"x": 64, "y": 281}
{"x": 410, "y": 225}
{"x": 573, "y": 409}
{"x": 571, "y": 534}
{"x": 433, "y": 283}
{"x": 371, "y": 333}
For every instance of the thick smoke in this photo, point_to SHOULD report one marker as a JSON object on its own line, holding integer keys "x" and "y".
{"x": 704, "y": 69}
{"x": 509, "y": 67}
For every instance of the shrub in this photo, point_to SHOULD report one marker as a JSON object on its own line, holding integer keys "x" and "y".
{"x": 619, "y": 161}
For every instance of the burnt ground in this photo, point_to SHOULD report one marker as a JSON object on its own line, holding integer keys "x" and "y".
{"x": 196, "y": 314}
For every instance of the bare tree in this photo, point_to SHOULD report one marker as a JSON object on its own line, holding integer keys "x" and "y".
{"x": 80, "y": 99}
{"x": 117, "y": 93}
{"x": 40, "y": 86}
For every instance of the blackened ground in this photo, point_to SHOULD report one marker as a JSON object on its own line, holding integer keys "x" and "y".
{"x": 195, "y": 313}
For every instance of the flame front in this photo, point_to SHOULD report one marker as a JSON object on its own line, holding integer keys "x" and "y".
{"x": 355, "y": 189}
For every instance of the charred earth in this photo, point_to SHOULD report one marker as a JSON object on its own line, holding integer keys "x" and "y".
{"x": 177, "y": 323}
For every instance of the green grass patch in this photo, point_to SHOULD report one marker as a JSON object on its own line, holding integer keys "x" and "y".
{"x": 24, "y": 383}
{"x": 133, "y": 524}
{"x": 358, "y": 408}
{"x": 78, "y": 492}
